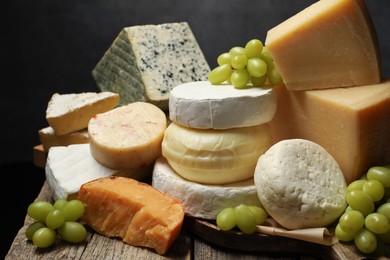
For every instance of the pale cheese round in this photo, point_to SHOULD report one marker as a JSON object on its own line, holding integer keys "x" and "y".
{"x": 127, "y": 137}
{"x": 300, "y": 184}
{"x": 202, "y": 105}
{"x": 201, "y": 200}
{"x": 215, "y": 156}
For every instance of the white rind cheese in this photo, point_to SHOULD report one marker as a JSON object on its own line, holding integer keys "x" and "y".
{"x": 203, "y": 105}
{"x": 48, "y": 138}
{"x": 68, "y": 167}
{"x": 145, "y": 62}
{"x": 300, "y": 184}
{"x": 68, "y": 113}
{"x": 200, "y": 200}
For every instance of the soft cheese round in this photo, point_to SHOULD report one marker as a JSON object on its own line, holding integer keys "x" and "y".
{"x": 215, "y": 156}
{"x": 300, "y": 184}
{"x": 202, "y": 105}
{"x": 201, "y": 200}
{"x": 128, "y": 136}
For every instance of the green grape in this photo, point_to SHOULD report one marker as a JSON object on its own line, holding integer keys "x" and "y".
{"x": 32, "y": 228}
{"x": 256, "y": 67}
{"x": 381, "y": 174}
{"x": 259, "y": 213}
{"x": 55, "y": 219}
{"x": 363, "y": 177}
{"x": 253, "y": 48}
{"x": 384, "y": 209}
{"x": 240, "y": 78}
{"x": 342, "y": 235}
{"x": 385, "y": 237}
{"x": 351, "y": 221}
{"x": 220, "y": 74}
{"x": 361, "y": 201}
{"x": 265, "y": 56}
{"x": 60, "y": 203}
{"x": 72, "y": 232}
{"x": 274, "y": 76}
{"x": 239, "y": 61}
{"x": 356, "y": 185}
{"x": 44, "y": 237}
{"x": 237, "y": 50}
{"x": 246, "y": 221}
{"x": 259, "y": 81}
{"x": 365, "y": 241}
{"x": 226, "y": 219}
{"x": 375, "y": 189}
{"x": 38, "y": 210}
{"x": 224, "y": 58}
{"x": 377, "y": 223}
{"x": 348, "y": 208}
{"x": 73, "y": 210}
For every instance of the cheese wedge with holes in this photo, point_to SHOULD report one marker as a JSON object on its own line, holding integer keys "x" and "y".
{"x": 330, "y": 44}
{"x": 205, "y": 106}
{"x": 128, "y": 136}
{"x": 212, "y": 156}
{"x": 352, "y": 124}
{"x": 48, "y": 138}
{"x": 202, "y": 200}
{"x": 146, "y": 61}
{"x": 68, "y": 113}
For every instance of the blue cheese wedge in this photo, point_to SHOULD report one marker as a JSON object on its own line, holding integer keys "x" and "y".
{"x": 145, "y": 62}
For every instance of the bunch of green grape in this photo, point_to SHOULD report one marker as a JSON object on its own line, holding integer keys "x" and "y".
{"x": 243, "y": 67}
{"x": 51, "y": 219}
{"x": 366, "y": 220}
{"x": 244, "y": 217}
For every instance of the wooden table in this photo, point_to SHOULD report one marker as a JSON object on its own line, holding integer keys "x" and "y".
{"x": 194, "y": 242}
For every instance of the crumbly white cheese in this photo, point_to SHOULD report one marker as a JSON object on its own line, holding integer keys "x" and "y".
{"x": 300, "y": 184}
{"x": 146, "y": 61}
{"x": 201, "y": 200}
{"x": 203, "y": 105}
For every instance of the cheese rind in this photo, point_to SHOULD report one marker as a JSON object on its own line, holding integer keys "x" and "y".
{"x": 128, "y": 136}
{"x": 203, "y": 105}
{"x": 352, "y": 124}
{"x": 329, "y": 44}
{"x": 68, "y": 113}
{"x": 214, "y": 156}
{"x": 300, "y": 184}
{"x": 48, "y": 138}
{"x": 201, "y": 200}
{"x": 145, "y": 62}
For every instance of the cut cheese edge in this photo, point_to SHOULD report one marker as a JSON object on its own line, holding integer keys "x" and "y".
{"x": 68, "y": 113}
{"x": 128, "y": 136}
{"x": 48, "y": 138}
{"x": 145, "y": 62}
{"x": 331, "y": 44}
{"x": 213, "y": 156}
{"x": 201, "y": 200}
{"x": 134, "y": 211}
{"x": 352, "y": 124}
{"x": 68, "y": 167}
{"x": 205, "y": 106}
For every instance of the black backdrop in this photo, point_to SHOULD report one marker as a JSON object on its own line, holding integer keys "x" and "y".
{"x": 52, "y": 46}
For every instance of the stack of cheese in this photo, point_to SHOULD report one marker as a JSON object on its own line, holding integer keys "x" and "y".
{"x": 212, "y": 146}
{"x": 334, "y": 95}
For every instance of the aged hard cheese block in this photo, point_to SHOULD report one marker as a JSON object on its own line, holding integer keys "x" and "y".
{"x": 128, "y": 136}
{"x": 48, "y": 138}
{"x": 352, "y": 124}
{"x": 213, "y": 156}
{"x": 68, "y": 113}
{"x": 331, "y": 43}
{"x": 68, "y": 167}
{"x": 201, "y": 200}
{"x": 203, "y": 105}
{"x": 300, "y": 184}
{"x": 145, "y": 62}
{"x": 136, "y": 212}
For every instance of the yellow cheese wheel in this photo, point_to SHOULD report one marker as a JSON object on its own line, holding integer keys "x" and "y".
{"x": 128, "y": 136}
{"x": 213, "y": 156}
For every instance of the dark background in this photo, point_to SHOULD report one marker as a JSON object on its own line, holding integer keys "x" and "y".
{"x": 50, "y": 46}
